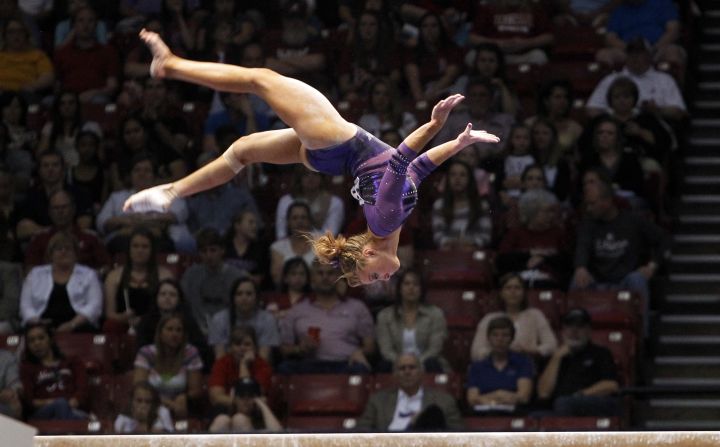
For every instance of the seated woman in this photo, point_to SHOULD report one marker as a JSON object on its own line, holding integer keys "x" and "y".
{"x": 460, "y": 218}
{"x": 384, "y": 111}
{"x": 295, "y": 286}
{"x": 533, "y": 336}
{"x": 299, "y": 224}
{"x": 171, "y": 365}
{"x": 502, "y": 382}
{"x": 130, "y": 288}
{"x": 145, "y": 413}
{"x": 65, "y": 292}
{"x": 170, "y": 300}
{"x": 411, "y": 325}
{"x": 554, "y": 104}
{"x": 244, "y": 310}
{"x": 239, "y": 370}
{"x": 327, "y": 211}
{"x": 54, "y": 386}
{"x": 539, "y": 248}
{"x": 245, "y": 249}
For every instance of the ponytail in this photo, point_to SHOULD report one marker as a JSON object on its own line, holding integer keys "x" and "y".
{"x": 343, "y": 253}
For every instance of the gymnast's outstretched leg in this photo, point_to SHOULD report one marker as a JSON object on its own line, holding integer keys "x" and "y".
{"x": 299, "y": 105}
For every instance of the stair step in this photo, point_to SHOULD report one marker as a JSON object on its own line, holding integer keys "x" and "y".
{"x": 686, "y": 381}
{"x": 695, "y": 259}
{"x": 693, "y": 298}
{"x": 702, "y": 179}
{"x": 705, "y": 141}
{"x": 689, "y": 319}
{"x": 677, "y": 424}
{"x": 708, "y": 86}
{"x": 700, "y": 218}
{"x": 686, "y": 367}
{"x": 687, "y": 360}
{"x": 697, "y": 238}
{"x": 684, "y": 402}
{"x": 700, "y": 198}
{"x": 689, "y": 339}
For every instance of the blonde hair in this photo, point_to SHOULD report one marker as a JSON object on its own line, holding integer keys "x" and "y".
{"x": 343, "y": 253}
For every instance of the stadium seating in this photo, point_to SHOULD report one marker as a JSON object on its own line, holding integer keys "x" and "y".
{"x": 326, "y": 394}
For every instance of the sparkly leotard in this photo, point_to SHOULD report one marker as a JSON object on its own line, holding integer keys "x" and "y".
{"x": 386, "y": 179}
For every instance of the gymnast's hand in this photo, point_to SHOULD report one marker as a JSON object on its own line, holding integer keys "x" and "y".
{"x": 157, "y": 198}
{"x": 470, "y": 136}
{"x": 442, "y": 109}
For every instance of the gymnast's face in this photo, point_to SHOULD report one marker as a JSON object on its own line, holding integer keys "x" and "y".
{"x": 379, "y": 266}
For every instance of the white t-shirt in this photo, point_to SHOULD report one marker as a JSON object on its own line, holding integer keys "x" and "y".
{"x": 652, "y": 85}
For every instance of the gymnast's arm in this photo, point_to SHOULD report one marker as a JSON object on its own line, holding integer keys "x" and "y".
{"x": 423, "y": 134}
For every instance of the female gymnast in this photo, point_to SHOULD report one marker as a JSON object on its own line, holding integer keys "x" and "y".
{"x": 386, "y": 179}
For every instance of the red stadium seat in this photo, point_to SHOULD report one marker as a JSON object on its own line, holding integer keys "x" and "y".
{"x": 121, "y": 386}
{"x": 126, "y": 349}
{"x": 321, "y": 423}
{"x": 576, "y": 43}
{"x": 584, "y": 76}
{"x": 469, "y": 270}
{"x": 462, "y": 308}
{"x": 327, "y": 394}
{"x": 623, "y": 346}
{"x": 191, "y": 425}
{"x": 108, "y": 116}
{"x": 12, "y": 342}
{"x": 102, "y": 397}
{"x": 524, "y": 78}
{"x": 609, "y": 309}
{"x": 177, "y": 263}
{"x": 558, "y": 423}
{"x": 68, "y": 427}
{"x": 499, "y": 423}
{"x": 550, "y": 302}
{"x": 457, "y": 348}
{"x": 96, "y": 350}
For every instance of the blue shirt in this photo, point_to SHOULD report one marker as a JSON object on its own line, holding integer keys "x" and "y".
{"x": 217, "y": 208}
{"x": 647, "y": 20}
{"x": 484, "y": 376}
{"x": 222, "y": 118}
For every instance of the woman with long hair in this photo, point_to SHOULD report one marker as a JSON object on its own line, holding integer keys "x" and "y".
{"x": 244, "y": 248}
{"x": 319, "y": 137}
{"x": 54, "y": 386}
{"x": 554, "y": 103}
{"x": 66, "y": 122}
{"x": 384, "y": 111}
{"x": 131, "y": 287}
{"x": 144, "y": 414}
{"x": 171, "y": 365}
{"x": 412, "y": 325}
{"x": 533, "y": 334}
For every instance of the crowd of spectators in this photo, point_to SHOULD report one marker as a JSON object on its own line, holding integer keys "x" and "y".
{"x": 224, "y": 283}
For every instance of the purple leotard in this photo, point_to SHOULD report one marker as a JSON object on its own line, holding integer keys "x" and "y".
{"x": 386, "y": 179}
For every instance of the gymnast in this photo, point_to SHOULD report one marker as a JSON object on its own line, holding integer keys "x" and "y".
{"x": 386, "y": 179}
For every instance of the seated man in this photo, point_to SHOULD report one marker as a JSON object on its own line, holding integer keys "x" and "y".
{"x": 91, "y": 251}
{"x": 10, "y": 386}
{"x": 502, "y": 381}
{"x": 208, "y": 284}
{"x": 409, "y": 406}
{"x": 581, "y": 378}
{"x": 610, "y": 246}
{"x": 326, "y": 334}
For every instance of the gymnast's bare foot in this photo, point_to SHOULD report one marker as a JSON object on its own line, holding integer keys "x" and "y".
{"x": 161, "y": 53}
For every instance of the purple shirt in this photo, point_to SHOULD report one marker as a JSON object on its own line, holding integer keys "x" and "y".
{"x": 342, "y": 328}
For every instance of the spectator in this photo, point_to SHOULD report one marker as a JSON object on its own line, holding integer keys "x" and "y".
{"x": 607, "y": 154}
{"x": 617, "y": 249}
{"x": 208, "y": 284}
{"x": 23, "y": 67}
{"x": 134, "y": 138}
{"x": 501, "y": 382}
{"x": 64, "y": 31}
{"x": 299, "y": 223}
{"x": 245, "y": 372}
{"x": 517, "y": 156}
{"x": 219, "y": 207}
{"x": 89, "y": 175}
{"x": 582, "y": 13}
{"x": 533, "y": 334}
{"x": 489, "y": 65}
{"x": 170, "y": 300}
{"x": 61, "y": 131}
{"x": 658, "y": 91}
{"x": 433, "y": 66}
{"x": 412, "y": 325}
{"x": 244, "y": 28}
{"x": 14, "y": 116}
{"x": 581, "y": 378}
{"x": 295, "y": 287}
{"x": 654, "y": 20}
{"x": 54, "y": 386}
{"x": 33, "y": 212}
{"x": 10, "y": 286}
{"x": 17, "y": 161}
{"x": 244, "y": 311}
{"x": 61, "y": 209}
{"x": 180, "y": 27}
{"x": 65, "y": 292}
{"x": 172, "y": 366}
{"x": 460, "y": 218}
{"x": 327, "y": 210}
{"x": 243, "y": 247}
{"x": 168, "y": 227}
{"x": 10, "y": 385}
{"x": 520, "y": 28}
{"x": 9, "y": 247}
{"x": 410, "y": 406}
{"x": 539, "y": 249}
{"x": 327, "y": 334}
{"x": 480, "y": 113}
{"x": 131, "y": 287}
{"x": 368, "y": 54}
{"x": 239, "y": 114}
{"x": 96, "y": 82}
{"x": 384, "y": 111}
{"x": 554, "y": 103}
{"x": 145, "y": 414}
{"x": 551, "y": 157}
